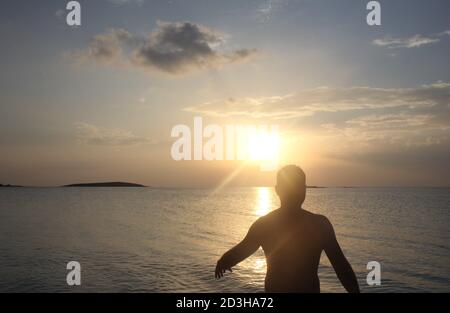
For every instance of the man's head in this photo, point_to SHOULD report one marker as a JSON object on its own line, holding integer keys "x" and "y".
{"x": 291, "y": 185}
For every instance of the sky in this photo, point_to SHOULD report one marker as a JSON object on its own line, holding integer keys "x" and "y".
{"x": 357, "y": 105}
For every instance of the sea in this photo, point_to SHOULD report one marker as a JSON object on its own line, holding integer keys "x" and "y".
{"x": 168, "y": 240}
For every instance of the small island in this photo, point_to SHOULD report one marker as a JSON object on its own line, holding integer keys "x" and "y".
{"x": 8, "y": 185}
{"x": 106, "y": 184}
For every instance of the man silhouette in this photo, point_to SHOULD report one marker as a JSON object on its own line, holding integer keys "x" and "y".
{"x": 292, "y": 239}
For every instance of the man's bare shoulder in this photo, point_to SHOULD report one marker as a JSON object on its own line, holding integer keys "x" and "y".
{"x": 319, "y": 220}
{"x": 274, "y": 214}
{"x": 267, "y": 219}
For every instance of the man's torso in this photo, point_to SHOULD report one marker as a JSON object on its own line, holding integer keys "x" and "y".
{"x": 292, "y": 242}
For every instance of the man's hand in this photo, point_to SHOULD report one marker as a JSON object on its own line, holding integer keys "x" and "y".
{"x": 240, "y": 252}
{"x": 221, "y": 269}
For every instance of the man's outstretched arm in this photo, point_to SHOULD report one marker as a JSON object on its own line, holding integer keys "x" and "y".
{"x": 240, "y": 252}
{"x": 337, "y": 259}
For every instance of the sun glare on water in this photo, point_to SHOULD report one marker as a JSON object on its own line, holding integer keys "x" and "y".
{"x": 264, "y": 201}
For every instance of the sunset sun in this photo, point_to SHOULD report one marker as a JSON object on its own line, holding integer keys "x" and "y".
{"x": 264, "y": 149}
{"x": 263, "y": 146}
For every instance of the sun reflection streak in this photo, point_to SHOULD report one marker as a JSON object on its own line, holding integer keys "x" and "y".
{"x": 259, "y": 265}
{"x": 256, "y": 265}
{"x": 264, "y": 201}
{"x": 229, "y": 178}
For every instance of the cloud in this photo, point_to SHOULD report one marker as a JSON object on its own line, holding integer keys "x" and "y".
{"x": 94, "y": 135}
{"x": 445, "y": 33}
{"x": 412, "y": 42}
{"x": 409, "y": 42}
{"x": 105, "y": 48}
{"x": 396, "y": 128}
{"x": 391, "y": 121}
{"x": 324, "y": 99}
{"x": 404, "y": 141}
{"x": 172, "y": 48}
{"x": 405, "y": 128}
{"x": 425, "y": 163}
{"x": 406, "y": 148}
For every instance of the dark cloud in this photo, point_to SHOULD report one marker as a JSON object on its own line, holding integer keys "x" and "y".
{"x": 174, "y": 48}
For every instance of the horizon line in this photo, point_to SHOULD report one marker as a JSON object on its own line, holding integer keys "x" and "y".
{"x": 209, "y": 187}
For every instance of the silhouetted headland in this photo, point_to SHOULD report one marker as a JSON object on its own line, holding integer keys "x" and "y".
{"x": 107, "y": 184}
{"x": 8, "y": 185}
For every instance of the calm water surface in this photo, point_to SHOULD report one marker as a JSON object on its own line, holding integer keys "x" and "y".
{"x": 168, "y": 240}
